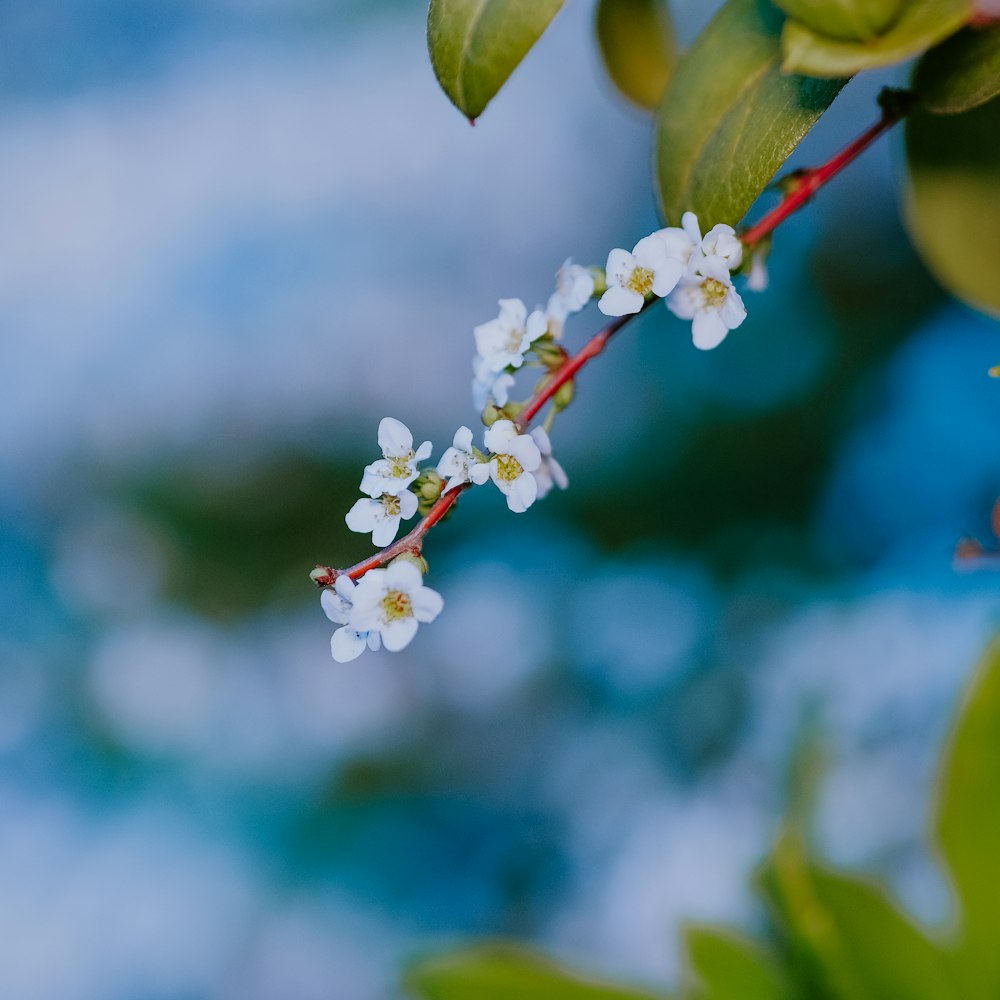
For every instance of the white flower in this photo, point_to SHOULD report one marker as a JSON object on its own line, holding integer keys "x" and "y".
{"x": 514, "y": 460}
{"x": 457, "y": 462}
{"x": 649, "y": 268}
{"x": 382, "y": 516}
{"x": 398, "y": 466}
{"x": 502, "y": 341}
{"x": 347, "y": 643}
{"x": 392, "y": 602}
{"x": 574, "y": 288}
{"x": 721, "y": 241}
{"x": 757, "y": 281}
{"x": 550, "y": 473}
{"x": 488, "y": 384}
{"x": 708, "y": 298}
{"x": 679, "y": 243}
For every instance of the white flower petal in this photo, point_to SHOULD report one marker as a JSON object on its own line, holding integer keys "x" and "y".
{"x": 347, "y": 644}
{"x": 523, "y": 493}
{"x": 619, "y": 262}
{"x": 650, "y": 252}
{"x": 427, "y": 604}
{"x": 403, "y": 575}
{"x": 364, "y": 515}
{"x": 619, "y": 301}
{"x": 499, "y": 435}
{"x": 480, "y": 472}
{"x": 407, "y": 504}
{"x": 385, "y": 531}
{"x": 344, "y": 586}
{"x": 689, "y": 221}
{"x": 337, "y": 609}
{"x": 708, "y": 330}
{"x": 513, "y": 312}
{"x": 733, "y": 309}
{"x": 667, "y": 275}
{"x": 397, "y": 635}
{"x": 526, "y": 452}
{"x": 394, "y": 437}
{"x": 558, "y": 474}
{"x": 423, "y": 452}
{"x": 463, "y": 439}
{"x": 682, "y": 303}
{"x": 541, "y": 438}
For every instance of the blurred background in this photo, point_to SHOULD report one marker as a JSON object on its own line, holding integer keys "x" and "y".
{"x": 235, "y": 234}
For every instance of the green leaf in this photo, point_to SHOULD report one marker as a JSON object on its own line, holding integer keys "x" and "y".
{"x": 638, "y": 46}
{"x": 730, "y": 117}
{"x": 864, "y": 946}
{"x": 968, "y": 826}
{"x": 476, "y": 44}
{"x": 953, "y": 200}
{"x": 728, "y": 967}
{"x": 503, "y": 972}
{"x": 921, "y": 24}
{"x": 850, "y": 20}
{"x": 961, "y": 73}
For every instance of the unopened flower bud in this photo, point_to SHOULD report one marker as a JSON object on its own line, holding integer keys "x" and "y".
{"x": 412, "y": 557}
{"x": 323, "y": 576}
{"x": 550, "y": 353}
{"x": 492, "y": 414}
{"x": 564, "y": 395}
{"x": 429, "y": 485}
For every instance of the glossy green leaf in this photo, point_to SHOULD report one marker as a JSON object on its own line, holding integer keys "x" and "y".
{"x": 728, "y": 967}
{"x": 850, "y": 20}
{"x": 920, "y": 25}
{"x": 506, "y": 973}
{"x": 968, "y": 826}
{"x": 866, "y": 948}
{"x": 476, "y": 44}
{"x": 730, "y": 117}
{"x": 953, "y": 200}
{"x": 638, "y": 46}
{"x": 961, "y": 73}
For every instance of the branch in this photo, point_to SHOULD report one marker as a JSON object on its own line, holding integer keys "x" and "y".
{"x": 806, "y": 184}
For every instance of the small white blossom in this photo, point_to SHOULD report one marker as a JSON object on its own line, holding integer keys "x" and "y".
{"x": 398, "y": 466}
{"x": 757, "y": 281}
{"x": 347, "y": 643}
{"x": 649, "y": 268}
{"x": 392, "y": 602}
{"x": 488, "y": 384}
{"x": 709, "y": 299}
{"x": 382, "y": 516}
{"x": 721, "y": 241}
{"x": 457, "y": 462}
{"x": 515, "y": 458}
{"x": 502, "y": 341}
{"x": 550, "y": 473}
{"x": 679, "y": 243}
{"x": 574, "y": 288}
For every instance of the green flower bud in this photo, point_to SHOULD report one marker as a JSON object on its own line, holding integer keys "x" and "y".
{"x": 412, "y": 557}
{"x": 564, "y": 395}
{"x": 600, "y": 281}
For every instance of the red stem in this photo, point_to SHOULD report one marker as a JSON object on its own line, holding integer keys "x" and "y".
{"x": 810, "y": 181}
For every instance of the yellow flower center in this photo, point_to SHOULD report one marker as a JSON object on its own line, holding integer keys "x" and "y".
{"x": 714, "y": 291}
{"x": 391, "y": 504}
{"x": 396, "y": 604}
{"x": 514, "y": 339}
{"x": 641, "y": 281}
{"x": 401, "y": 465}
{"x": 508, "y": 468}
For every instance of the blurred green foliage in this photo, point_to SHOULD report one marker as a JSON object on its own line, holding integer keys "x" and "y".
{"x": 833, "y": 936}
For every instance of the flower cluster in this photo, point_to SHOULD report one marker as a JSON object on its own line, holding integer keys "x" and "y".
{"x": 691, "y": 272}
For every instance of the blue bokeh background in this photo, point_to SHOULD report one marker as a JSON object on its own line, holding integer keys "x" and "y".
{"x": 235, "y": 234}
